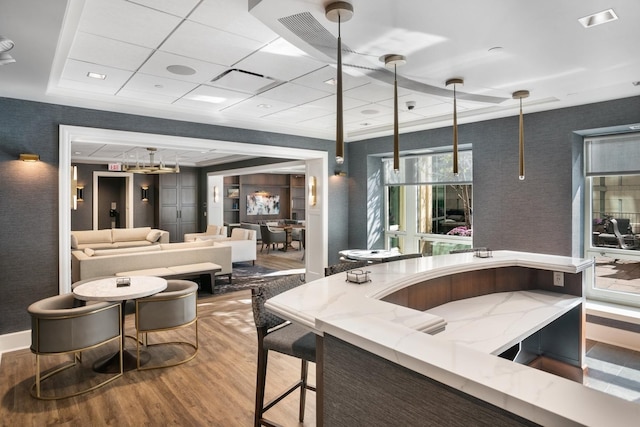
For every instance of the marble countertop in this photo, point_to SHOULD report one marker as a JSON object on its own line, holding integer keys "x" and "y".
{"x": 355, "y": 314}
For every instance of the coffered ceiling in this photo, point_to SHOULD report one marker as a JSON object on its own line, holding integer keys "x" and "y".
{"x": 268, "y": 64}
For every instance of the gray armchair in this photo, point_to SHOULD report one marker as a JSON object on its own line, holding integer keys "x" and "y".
{"x": 173, "y": 308}
{"x": 60, "y": 326}
{"x": 271, "y": 238}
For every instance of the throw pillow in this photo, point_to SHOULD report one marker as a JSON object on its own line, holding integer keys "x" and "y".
{"x": 89, "y": 251}
{"x": 154, "y": 235}
{"x": 74, "y": 242}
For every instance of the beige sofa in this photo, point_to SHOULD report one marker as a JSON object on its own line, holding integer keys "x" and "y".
{"x": 213, "y": 232}
{"x": 243, "y": 245}
{"x": 89, "y": 263}
{"x": 118, "y": 238}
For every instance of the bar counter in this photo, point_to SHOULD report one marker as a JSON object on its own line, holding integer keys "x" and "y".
{"x": 381, "y": 358}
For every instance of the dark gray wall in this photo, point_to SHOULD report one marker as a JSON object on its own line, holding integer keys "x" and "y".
{"x": 29, "y": 192}
{"x": 144, "y": 213}
{"x": 543, "y": 213}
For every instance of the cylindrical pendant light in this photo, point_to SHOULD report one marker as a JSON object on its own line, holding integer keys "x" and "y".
{"x": 454, "y": 82}
{"x": 339, "y": 12}
{"x": 389, "y": 61}
{"x": 519, "y": 95}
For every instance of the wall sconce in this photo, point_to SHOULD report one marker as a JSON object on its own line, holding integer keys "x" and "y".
{"x": 144, "y": 193}
{"x": 339, "y": 172}
{"x": 80, "y": 193}
{"x": 312, "y": 191}
{"x": 74, "y": 187}
{"x": 25, "y": 157}
{"x": 216, "y": 194}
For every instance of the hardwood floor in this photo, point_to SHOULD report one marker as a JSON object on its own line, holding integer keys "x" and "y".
{"x": 215, "y": 389}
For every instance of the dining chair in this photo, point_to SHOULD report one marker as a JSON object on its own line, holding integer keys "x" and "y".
{"x": 173, "y": 308}
{"x": 276, "y": 334}
{"x": 271, "y": 237}
{"x": 60, "y": 326}
{"x": 344, "y": 266}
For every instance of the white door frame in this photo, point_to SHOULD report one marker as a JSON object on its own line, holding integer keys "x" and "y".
{"x": 317, "y": 251}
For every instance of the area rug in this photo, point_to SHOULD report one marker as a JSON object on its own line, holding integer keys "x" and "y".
{"x": 245, "y": 276}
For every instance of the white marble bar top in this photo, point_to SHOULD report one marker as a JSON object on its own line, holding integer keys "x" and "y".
{"x": 355, "y": 314}
{"x": 494, "y": 323}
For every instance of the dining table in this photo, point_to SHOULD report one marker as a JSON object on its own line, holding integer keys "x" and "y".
{"x": 120, "y": 289}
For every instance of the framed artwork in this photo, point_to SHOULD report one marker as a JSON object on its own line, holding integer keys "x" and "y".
{"x": 233, "y": 192}
{"x": 260, "y": 204}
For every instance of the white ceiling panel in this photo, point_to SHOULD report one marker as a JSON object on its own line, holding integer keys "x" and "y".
{"x": 209, "y": 44}
{"x": 301, "y": 113}
{"x": 258, "y": 107}
{"x": 77, "y": 71}
{"x": 121, "y": 20}
{"x": 294, "y": 94}
{"x": 318, "y": 79}
{"x": 374, "y": 92}
{"x": 331, "y": 103}
{"x": 148, "y": 97}
{"x": 104, "y": 51}
{"x": 159, "y": 61}
{"x": 232, "y": 17}
{"x": 280, "y": 60}
{"x": 159, "y": 85}
{"x": 179, "y": 8}
{"x": 211, "y": 98}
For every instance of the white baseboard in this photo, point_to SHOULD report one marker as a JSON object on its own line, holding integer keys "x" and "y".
{"x": 15, "y": 341}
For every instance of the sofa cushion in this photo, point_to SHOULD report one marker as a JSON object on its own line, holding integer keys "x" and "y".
{"x": 92, "y": 236}
{"x": 119, "y": 251}
{"x": 130, "y": 234}
{"x": 242, "y": 234}
{"x": 89, "y": 251}
{"x": 154, "y": 235}
{"x": 213, "y": 229}
{"x": 74, "y": 241}
{"x": 132, "y": 244}
{"x": 186, "y": 245}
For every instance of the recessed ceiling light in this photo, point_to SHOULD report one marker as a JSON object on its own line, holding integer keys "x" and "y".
{"x": 208, "y": 98}
{"x": 158, "y": 86}
{"x": 365, "y": 124}
{"x": 96, "y": 75}
{"x": 6, "y": 44}
{"x": 598, "y": 18}
{"x": 332, "y": 81}
{"x": 181, "y": 70}
{"x": 369, "y": 112}
{"x": 264, "y": 105}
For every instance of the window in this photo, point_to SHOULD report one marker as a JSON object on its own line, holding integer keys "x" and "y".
{"x": 428, "y": 208}
{"x": 612, "y": 237}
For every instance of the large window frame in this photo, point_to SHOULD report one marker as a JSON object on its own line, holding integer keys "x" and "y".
{"x": 607, "y": 157}
{"x": 419, "y": 174}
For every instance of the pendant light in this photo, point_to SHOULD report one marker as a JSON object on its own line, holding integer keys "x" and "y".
{"x": 455, "y": 82}
{"x": 389, "y": 61}
{"x": 339, "y": 12}
{"x": 519, "y": 95}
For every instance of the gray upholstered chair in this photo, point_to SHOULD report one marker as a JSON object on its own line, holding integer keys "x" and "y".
{"x": 272, "y": 237}
{"x": 275, "y": 334}
{"x": 60, "y": 326}
{"x": 175, "y": 307}
{"x": 344, "y": 266}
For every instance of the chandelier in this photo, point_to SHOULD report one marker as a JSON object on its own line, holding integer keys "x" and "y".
{"x": 151, "y": 168}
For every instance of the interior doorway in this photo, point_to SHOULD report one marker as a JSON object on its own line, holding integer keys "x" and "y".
{"x": 113, "y": 200}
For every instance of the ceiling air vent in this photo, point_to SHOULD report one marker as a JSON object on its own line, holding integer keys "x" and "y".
{"x": 243, "y": 81}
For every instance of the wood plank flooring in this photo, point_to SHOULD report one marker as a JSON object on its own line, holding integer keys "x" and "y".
{"x": 215, "y": 389}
